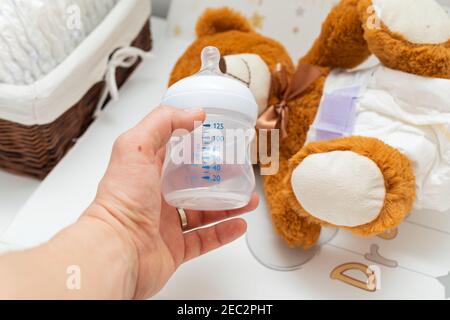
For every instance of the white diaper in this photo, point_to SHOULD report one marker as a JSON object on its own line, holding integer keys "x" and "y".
{"x": 37, "y": 35}
{"x": 408, "y": 112}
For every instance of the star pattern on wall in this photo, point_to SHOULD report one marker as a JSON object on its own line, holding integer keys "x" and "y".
{"x": 257, "y": 20}
{"x": 257, "y": 2}
{"x": 300, "y": 12}
{"x": 177, "y": 31}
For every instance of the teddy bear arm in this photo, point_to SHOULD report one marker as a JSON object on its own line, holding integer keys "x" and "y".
{"x": 341, "y": 43}
{"x": 295, "y": 229}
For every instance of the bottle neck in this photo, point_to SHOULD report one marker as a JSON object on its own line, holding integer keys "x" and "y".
{"x": 235, "y": 116}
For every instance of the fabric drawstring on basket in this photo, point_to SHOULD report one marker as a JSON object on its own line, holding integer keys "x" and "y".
{"x": 122, "y": 58}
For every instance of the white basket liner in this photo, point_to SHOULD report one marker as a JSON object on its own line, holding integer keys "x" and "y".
{"x": 48, "y": 98}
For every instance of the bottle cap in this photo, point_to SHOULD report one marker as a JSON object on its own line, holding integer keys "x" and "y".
{"x": 210, "y": 88}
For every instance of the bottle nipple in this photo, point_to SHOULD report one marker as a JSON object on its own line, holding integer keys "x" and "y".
{"x": 210, "y": 61}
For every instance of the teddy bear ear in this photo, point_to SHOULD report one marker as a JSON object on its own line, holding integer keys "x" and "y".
{"x": 219, "y": 20}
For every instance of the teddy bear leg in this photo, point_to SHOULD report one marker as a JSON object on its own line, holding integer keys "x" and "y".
{"x": 355, "y": 183}
{"x": 341, "y": 43}
{"x": 296, "y": 230}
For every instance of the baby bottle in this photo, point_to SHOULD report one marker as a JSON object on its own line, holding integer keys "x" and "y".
{"x": 211, "y": 168}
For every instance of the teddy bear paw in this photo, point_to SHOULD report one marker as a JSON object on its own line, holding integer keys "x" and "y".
{"x": 342, "y": 188}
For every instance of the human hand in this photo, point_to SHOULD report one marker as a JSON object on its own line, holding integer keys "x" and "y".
{"x": 129, "y": 200}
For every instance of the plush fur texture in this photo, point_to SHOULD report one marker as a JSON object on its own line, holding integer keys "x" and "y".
{"x": 397, "y": 53}
{"x": 341, "y": 43}
{"x": 296, "y": 229}
{"x": 346, "y": 41}
{"x": 395, "y": 167}
{"x": 212, "y": 22}
{"x": 231, "y": 33}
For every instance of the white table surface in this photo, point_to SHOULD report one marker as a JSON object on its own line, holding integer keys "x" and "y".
{"x": 421, "y": 249}
{"x": 14, "y": 192}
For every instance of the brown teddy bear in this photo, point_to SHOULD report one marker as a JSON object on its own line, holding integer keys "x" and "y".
{"x": 361, "y": 148}
{"x": 247, "y": 55}
{"x": 375, "y": 141}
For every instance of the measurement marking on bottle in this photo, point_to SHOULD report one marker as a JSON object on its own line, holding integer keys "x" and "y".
{"x": 209, "y": 154}
{"x": 219, "y": 126}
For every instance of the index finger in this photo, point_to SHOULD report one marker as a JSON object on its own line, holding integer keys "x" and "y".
{"x": 159, "y": 125}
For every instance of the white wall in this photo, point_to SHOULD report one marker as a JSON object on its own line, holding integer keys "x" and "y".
{"x": 161, "y": 7}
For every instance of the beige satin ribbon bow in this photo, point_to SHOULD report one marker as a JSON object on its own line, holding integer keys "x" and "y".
{"x": 276, "y": 116}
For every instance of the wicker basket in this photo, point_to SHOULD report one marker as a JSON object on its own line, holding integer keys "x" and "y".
{"x": 35, "y": 150}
